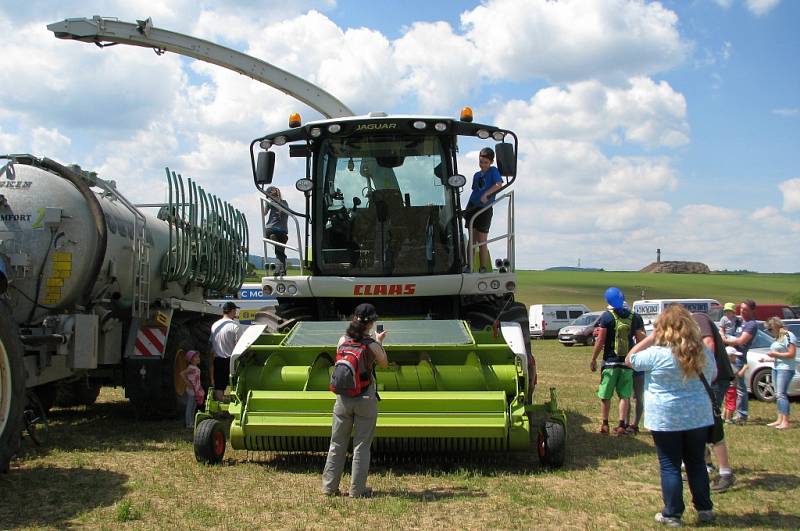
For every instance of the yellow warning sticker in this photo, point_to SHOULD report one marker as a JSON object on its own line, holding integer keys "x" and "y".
{"x": 62, "y": 266}
{"x": 62, "y": 257}
{"x": 55, "y": 282}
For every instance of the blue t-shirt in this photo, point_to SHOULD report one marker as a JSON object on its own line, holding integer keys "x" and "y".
{"x": 670, "y": 403}
{"x": 785, "y": 364}
{"x": 750, "y": 327}
{"x": 482, "y": 182}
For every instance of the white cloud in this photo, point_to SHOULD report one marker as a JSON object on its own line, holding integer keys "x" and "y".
{"x": 569, "y": 40}
{"x": 50, "y": 141}
{"x": 791, "y": 194}
{"x": 761, "y": 7}
{"x": 647, "y": 112}
{"x": 787, "y": 112}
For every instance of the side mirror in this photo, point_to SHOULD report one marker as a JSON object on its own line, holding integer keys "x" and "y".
{"x": 265, "y": 167}
{"x": 304, "y": 185}
{"x": 506, "y": 159}
{"x": 456, "y": 181}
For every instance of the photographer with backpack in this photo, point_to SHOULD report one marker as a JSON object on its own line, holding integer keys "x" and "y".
{"x": 618, "y": 327}
{"x": 353, "y": 381}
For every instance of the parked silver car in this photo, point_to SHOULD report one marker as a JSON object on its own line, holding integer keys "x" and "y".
{"x": 759, "y": 373}
{"x": 580, "y": 330}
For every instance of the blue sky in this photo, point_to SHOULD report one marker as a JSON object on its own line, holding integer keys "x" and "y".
{"x": 643, "y": 125}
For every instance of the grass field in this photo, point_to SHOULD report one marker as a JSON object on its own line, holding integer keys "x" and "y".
{"x": 104, "y": 469}
{"x": 588, "y": 287}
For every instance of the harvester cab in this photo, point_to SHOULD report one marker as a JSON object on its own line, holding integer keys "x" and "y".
{"x": 383, "y": 222}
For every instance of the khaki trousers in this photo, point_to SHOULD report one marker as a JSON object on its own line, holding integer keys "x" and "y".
{"x": 360, "y": 412}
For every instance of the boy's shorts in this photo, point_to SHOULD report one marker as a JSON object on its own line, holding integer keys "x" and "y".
{"x": 615, "y": 378}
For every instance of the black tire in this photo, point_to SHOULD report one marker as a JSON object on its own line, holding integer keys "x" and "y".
{"x": 762, "y": 386}
{"x": 552, "y": 443}
{"x": 209, "y": 442}
{"x": 567, "y": 344}
{"x": 81, "y": 392}
{"x": 12, "y": 388}
{"x": 590, "y": 341}
{"x": 160, "y": 400}
{"x": 294, "y": 312}
{"x": 46, "y": 394}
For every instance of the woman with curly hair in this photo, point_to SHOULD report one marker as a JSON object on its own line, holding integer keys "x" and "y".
{"x": 783, "y": 352}
{"x": 677, "y": 409}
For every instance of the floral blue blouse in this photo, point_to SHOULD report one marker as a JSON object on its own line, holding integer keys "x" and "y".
{"x": 670, "y": 403}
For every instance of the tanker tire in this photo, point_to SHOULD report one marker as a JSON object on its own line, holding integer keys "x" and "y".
{"x": 209, "y": 442}
{"x": 551, "y": 444}
{"x": 76, "y": 393}
{"x": 46, "y": 394}
{"x": 163, "y": 403}
{"x": 12, "y": 389}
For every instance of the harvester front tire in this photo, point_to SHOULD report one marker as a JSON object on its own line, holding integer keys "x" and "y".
{"x": 209, "y": 442}
{"x": 12, "y": 389}
{"x": 552, "y": 444}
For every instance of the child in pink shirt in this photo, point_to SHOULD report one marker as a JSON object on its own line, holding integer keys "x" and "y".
{"x": 195, "y": 395}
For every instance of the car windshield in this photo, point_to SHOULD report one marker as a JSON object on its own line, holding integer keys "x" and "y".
{"x": 585, "y": 319}
{"x": 762, "y": 340}
{"x": 385, "y": 207}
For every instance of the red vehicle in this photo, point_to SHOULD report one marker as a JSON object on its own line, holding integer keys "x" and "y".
{"x": 765, "y": 311}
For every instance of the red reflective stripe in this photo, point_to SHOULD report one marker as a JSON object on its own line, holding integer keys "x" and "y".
{"x": 154, "y": 339}
{"x": 141, "y": 349}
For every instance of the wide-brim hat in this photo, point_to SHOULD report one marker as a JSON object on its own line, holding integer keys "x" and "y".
{"x": 729, "y": 306}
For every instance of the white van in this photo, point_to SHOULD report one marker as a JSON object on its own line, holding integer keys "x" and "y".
{"x": 547, "y": 319}
{"x": 649, "y": 310}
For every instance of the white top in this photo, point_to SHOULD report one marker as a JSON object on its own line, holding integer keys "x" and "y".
{"x": 224, "y": 335}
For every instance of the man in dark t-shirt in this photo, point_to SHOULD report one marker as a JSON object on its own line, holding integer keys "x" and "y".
{"x": 615, "y": 375}
{"x": 712, "y": 339}
{"x": 742, "y": 342}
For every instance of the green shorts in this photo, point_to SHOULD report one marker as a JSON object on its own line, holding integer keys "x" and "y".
{"x": 616, "y": 378}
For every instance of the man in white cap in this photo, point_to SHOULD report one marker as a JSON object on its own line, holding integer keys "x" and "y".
{"x": 224, "y": 335}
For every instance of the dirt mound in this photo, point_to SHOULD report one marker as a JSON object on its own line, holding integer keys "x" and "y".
{"x": 676, "y": 267}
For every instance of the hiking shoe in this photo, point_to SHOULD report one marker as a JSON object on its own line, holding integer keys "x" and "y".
{"x": 669, "y": 521}
{"x": 633, "y": 429}
{"x": 604, "y": 429}
{"x": 334, "y": 494}
{"x": 705, "y": 517}
{"x": 620, "y": 430}
{"x": 723, "y": 483}
{"x": 366, "y": 494}
{"x": 740, "y": 420}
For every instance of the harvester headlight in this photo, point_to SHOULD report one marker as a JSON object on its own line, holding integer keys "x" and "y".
{"x": 334, "y": 128}
{"x": 267, "y": 289}
{"x": 498, "y": 135}
{"x": 440, "y": 126}
{"x": 294, "y": 120}
{"x": 280, "y": 288}
{"x": 419, "y": 124}
{"x": 511, "y": 286}
{"x": 304, "y": 185}
{"x": 315, "y": 132}
{"x": 466, "y": 114}
{"x": 265, "y": 144}
{"x": 495, "y": 284}
{"x": 483, "y": 133}
{"x": 279, "y": 140}
{"x": 482, "y": 285}
{"x": 292, "y": 289}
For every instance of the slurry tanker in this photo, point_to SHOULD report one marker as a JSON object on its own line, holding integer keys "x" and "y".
{"x": 95, "y": 290}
